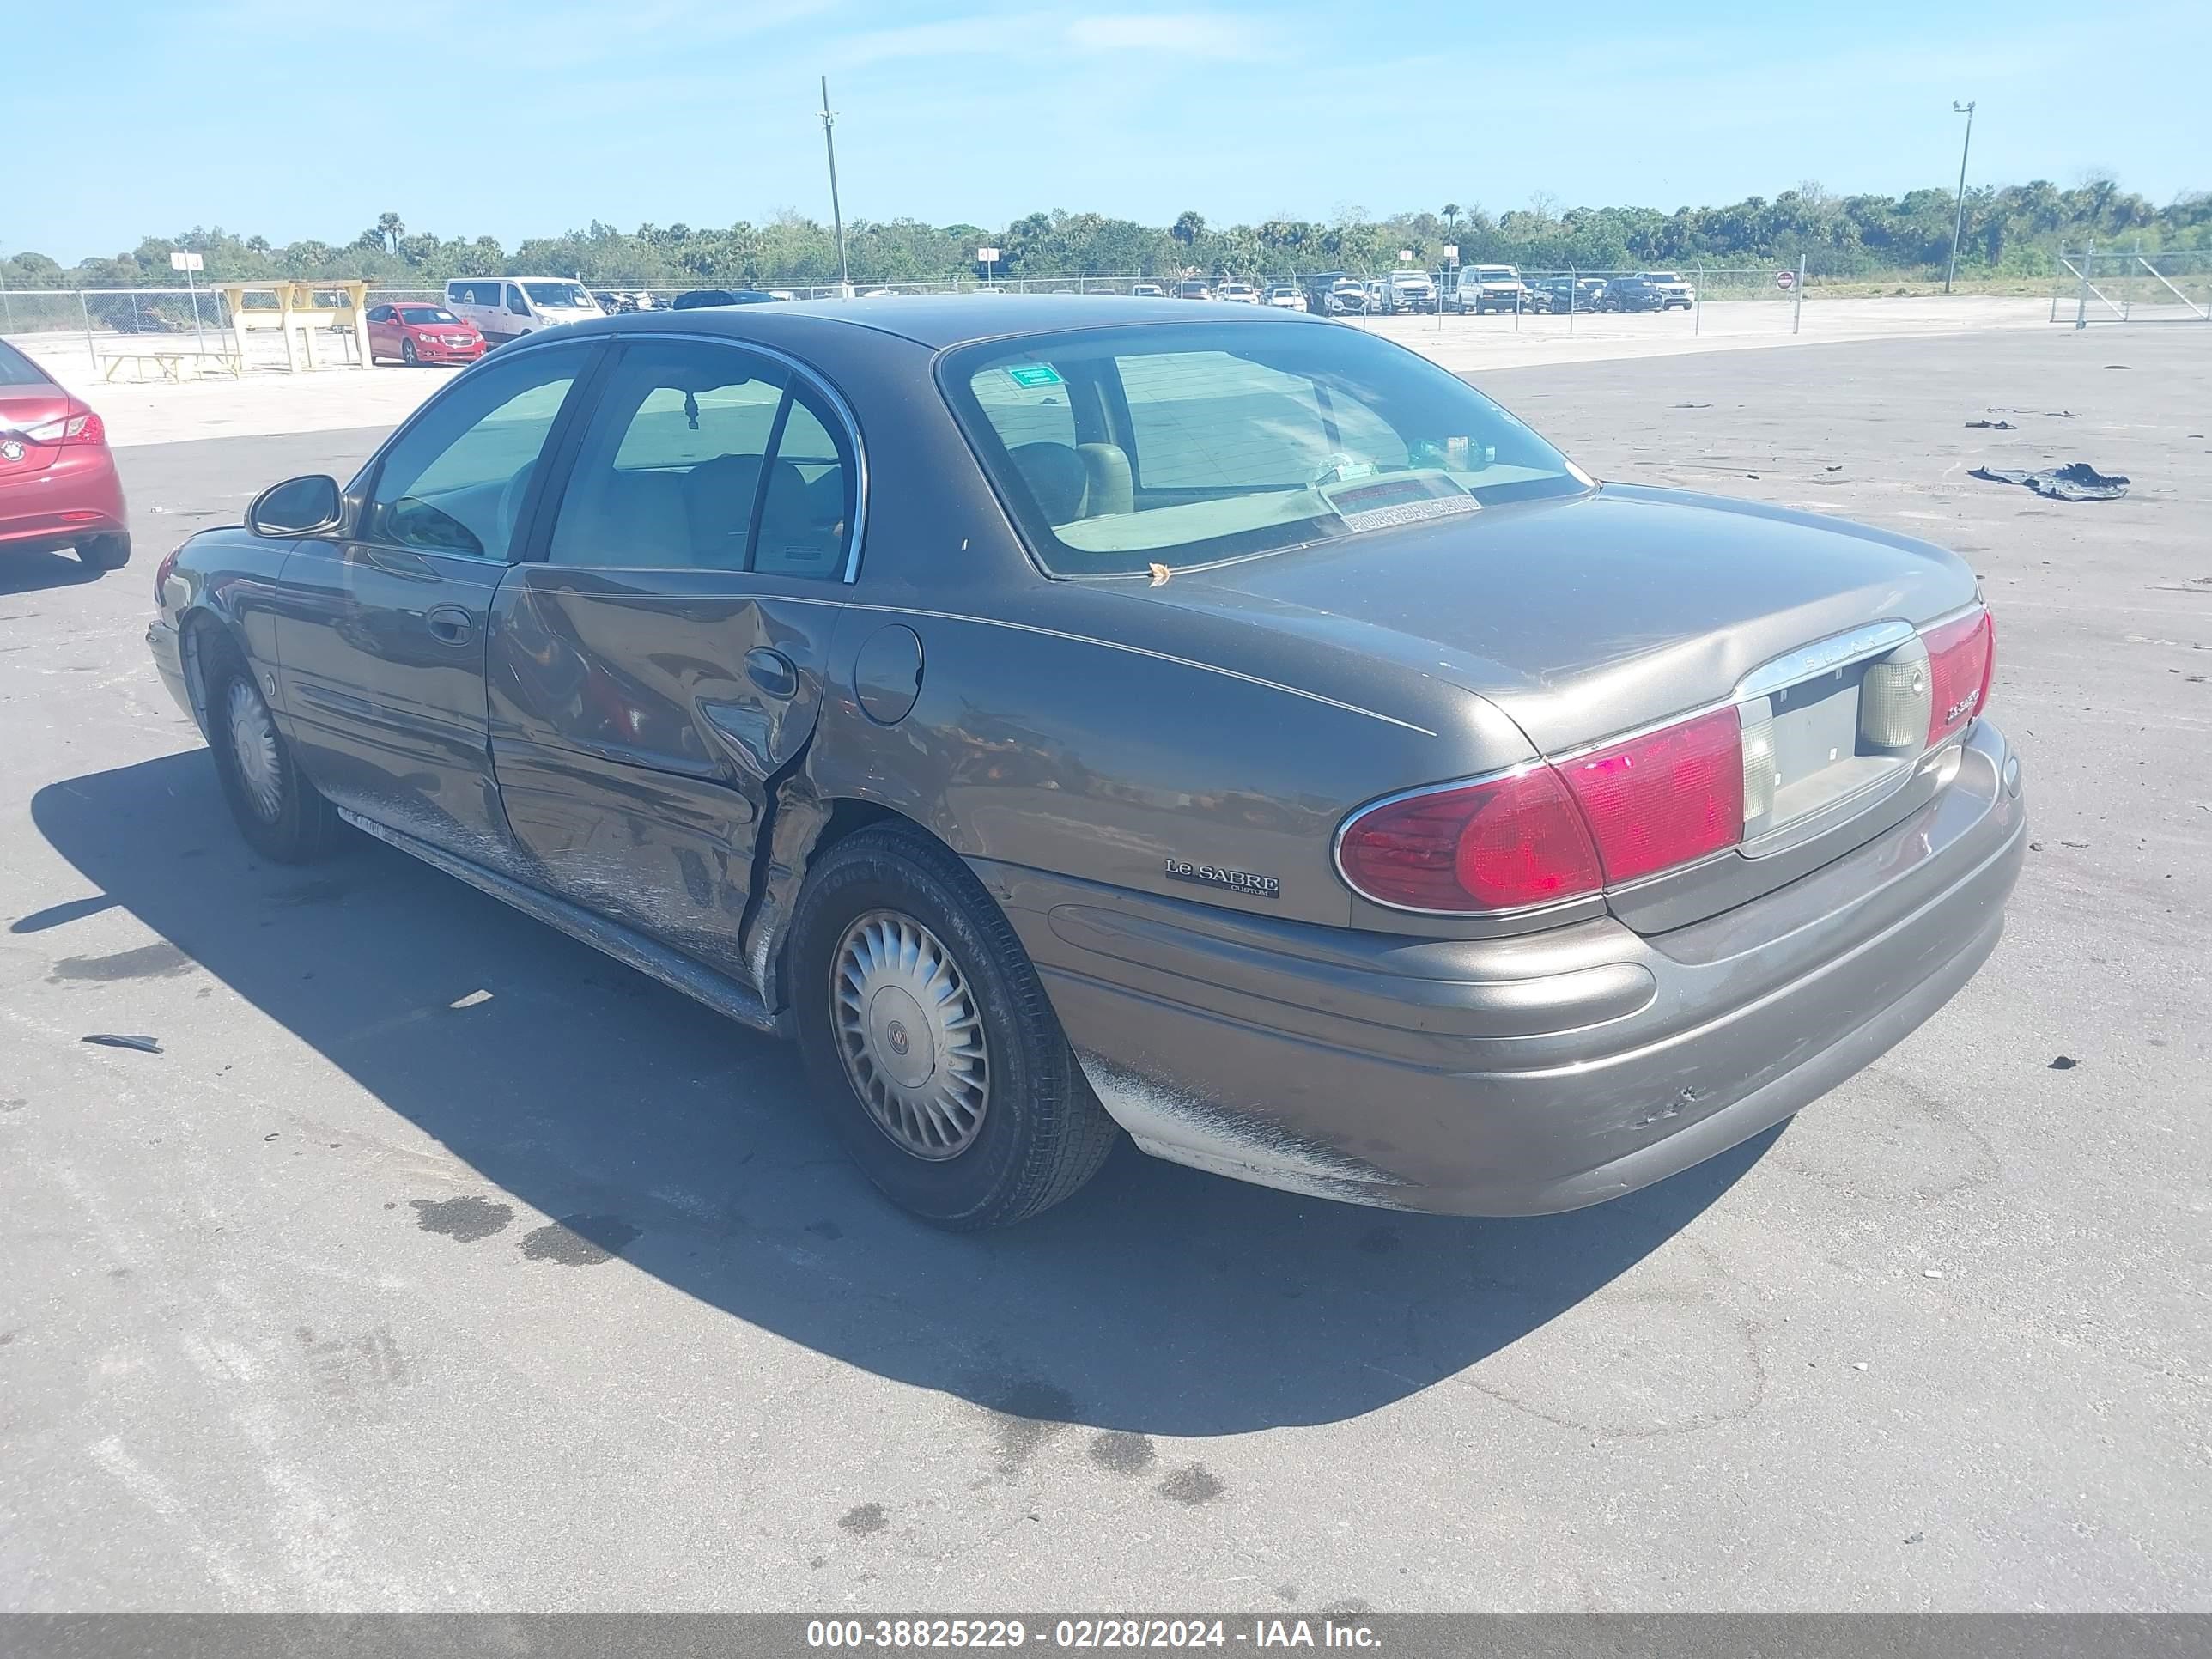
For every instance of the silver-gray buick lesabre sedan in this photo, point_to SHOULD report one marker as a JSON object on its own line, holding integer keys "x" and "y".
{"x": 1069, "y": 716}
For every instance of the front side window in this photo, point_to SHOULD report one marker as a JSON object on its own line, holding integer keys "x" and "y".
{"x": 455, "y": 480}
{"x": 515, "y": 302}
{"x": 561, "y": 297}
{"x": 1119, "y": 449}
{"x": 707, "y": 457}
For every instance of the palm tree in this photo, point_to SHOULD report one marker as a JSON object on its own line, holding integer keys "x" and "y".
{"x": 389, "y": 226}
{"x": 1188, "y": 227}
{"x": 1452, "y": 210}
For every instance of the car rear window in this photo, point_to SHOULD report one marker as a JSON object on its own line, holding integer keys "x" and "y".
{"x": 16, "y": 369}
{"x": 1116, "y": 450}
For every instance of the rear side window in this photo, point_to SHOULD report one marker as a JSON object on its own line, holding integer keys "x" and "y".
{"x": 1116, "y": 450}
{"x": 708, "y": 458}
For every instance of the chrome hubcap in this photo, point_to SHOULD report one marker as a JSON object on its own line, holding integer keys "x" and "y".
{"x": 910, "y": 1035}
{"x": 253, "y": 745}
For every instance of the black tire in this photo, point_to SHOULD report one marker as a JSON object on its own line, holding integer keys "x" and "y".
{"x": 1042, "y": 1133}
{"x": 407, "y": 354}
{"x": 105, "y": 552}
{"x": 290, "y": 822}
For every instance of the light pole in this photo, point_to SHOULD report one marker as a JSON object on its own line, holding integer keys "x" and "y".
{"x": 836, "y": 215}
{"x": 1959, "y": 217}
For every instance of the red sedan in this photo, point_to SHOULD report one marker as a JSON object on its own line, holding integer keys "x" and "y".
{"x": 422, "y": 333}
{"x": 57, "y": 483}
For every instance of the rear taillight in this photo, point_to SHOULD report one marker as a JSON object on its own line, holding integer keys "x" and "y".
{"x": 85, "y": 428}
{"x": 1547, "y": 833}
{"x": 1665, "y": 798}
{"x": 1962, "y": 655}
{"x": 1498, "y": 845}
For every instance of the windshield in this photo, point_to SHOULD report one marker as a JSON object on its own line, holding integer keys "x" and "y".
{"x": 1497, "y": 274}
{"x": 1659, "y": 276}
{"x": 16, "y": 369}
{"x": 1120, "y": 450}
{"x": 426, "y": 314}
{"x": 559, "y": 296}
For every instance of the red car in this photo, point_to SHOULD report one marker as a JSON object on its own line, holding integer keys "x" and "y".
{"x": 422, "y": 333}
{"x": 57, "y": 483}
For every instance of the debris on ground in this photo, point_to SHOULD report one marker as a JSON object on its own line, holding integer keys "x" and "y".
{"x": 1991, "y": 426}
{"x": 2063, "y": 1063}
{"x": 1694, "y": 406}
{"x": 471, "y": 1000}
{"x": 2054, "y": 413}
{"x": 2077, "y": 481}
{"x": 144, "y": 1045}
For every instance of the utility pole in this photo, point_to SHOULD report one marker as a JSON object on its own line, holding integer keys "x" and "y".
{"x": 1959, "y": 217}
{"x": 836, "y": 214}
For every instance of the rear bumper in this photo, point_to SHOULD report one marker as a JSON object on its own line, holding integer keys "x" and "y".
{"x": 78, "y": 496}
{"x": 1525, "y": 1075}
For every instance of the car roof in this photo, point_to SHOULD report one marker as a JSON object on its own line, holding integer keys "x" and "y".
{"x": 940, "y": 320}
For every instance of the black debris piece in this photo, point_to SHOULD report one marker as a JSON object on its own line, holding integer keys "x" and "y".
{"x": 2063, "y": 1063}
{"x": 1838, "y": 467}
{"x": 1991, "y": 426}
{"x": 2077, "y": 481}
{"x": 2119, "y": 365}
{"x": 1694, "y": 406}
{"x": 144, "y": 1045}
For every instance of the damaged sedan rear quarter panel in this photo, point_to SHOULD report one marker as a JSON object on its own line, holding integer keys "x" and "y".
{"x": 1145, "y": 750}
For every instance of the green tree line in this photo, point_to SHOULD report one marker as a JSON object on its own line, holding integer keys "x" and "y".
{"x": 2010, "y": 229}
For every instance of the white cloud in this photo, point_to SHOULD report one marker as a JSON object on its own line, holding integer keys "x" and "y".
{"x": 1187, "y": 34}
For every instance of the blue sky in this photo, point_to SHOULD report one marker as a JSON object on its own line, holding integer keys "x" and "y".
{"x": 519, "y": 117}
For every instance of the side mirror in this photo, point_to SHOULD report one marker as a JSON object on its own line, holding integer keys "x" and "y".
{"x": 298, "y": 507}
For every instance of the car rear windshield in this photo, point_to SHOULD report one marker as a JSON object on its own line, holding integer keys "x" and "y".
{"x": 570, "y": 294}
{"x": 1118, "y": 450}
{"x": 16, "y": 369}
{"x": 426, "y": 314}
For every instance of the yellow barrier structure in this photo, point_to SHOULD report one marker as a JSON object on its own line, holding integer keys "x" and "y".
{"x": 320, "y": 324}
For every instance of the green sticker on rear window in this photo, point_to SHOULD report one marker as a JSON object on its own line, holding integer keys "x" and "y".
{"x": 1031, "y": 374}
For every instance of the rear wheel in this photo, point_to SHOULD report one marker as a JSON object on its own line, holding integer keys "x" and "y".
{"x": 105, "y": 552}
{"x": 929, "y": 1041}
{"x": 279, "y": 811}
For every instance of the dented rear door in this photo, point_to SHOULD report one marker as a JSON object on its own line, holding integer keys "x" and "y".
{"x": 658, "y": 664}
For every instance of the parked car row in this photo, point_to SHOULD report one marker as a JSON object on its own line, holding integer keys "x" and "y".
{"x": 482, "y": 312}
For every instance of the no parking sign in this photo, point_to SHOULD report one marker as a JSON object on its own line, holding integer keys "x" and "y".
{"x": 1785, "y": 280}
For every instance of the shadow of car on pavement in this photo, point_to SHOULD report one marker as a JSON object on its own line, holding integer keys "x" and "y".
{"x": 1159, "y": 1300}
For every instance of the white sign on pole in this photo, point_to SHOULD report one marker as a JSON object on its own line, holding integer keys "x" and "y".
{"x": 987, "y": 256}
{"x": 1785, "y": 280}
{"x": 180, "y": 260}
{"x": 1405, "y": 253}
{"x": 1451, "y": 253}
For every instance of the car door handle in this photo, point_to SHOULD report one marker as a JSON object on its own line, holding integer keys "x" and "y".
{"x": 773, "y": 673}
{"x": 450, "y": 624}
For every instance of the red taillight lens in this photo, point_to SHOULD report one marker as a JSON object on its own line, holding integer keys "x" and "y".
{"x": 1496, "y": 846}
{"x": 85, "y": 428}
{"x": 1962, "y": 655}
{"x": 1665, "y": 798}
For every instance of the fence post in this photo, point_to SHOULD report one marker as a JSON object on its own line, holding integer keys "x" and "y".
{"x": 7, "y": 310}
{"x": 1574, "y": 293}
{"x": 2081, "y": 306}
{"x": 1797, "y": 310}
{"x": 90, "y": 349}
{"x": 1698, "y": 305}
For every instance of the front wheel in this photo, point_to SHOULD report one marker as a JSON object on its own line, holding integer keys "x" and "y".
{"x": 408, "y": 355}
{"x": 282, "y": 815}
{"x": 929, "y": 1040}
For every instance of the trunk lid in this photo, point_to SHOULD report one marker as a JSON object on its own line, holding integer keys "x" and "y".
{"x": 1623, "y": 609}
{"x": 20, "y": 409}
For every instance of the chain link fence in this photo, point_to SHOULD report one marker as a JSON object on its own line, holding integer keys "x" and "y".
{"x": 2094, "y": 285}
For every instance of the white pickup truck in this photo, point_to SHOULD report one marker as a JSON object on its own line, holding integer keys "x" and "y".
{"x": 1481, "y": 288}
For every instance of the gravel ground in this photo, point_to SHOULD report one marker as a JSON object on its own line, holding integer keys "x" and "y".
{"x": 371, "y": 1292}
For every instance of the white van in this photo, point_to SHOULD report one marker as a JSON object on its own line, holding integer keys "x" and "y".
{"x": 507, "y": 307}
